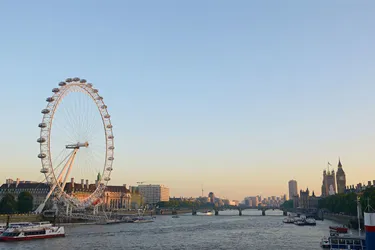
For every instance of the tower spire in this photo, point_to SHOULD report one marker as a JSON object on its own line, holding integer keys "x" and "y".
{"x": 339, "y": 165}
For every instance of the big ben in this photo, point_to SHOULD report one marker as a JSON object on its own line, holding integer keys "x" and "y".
{"x": 340, "y": 178}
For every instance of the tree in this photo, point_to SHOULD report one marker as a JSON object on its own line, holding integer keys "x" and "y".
{"x": 8, "y": 204}
{"x": 25, "y": 202}
{"x": 287, "y": 204}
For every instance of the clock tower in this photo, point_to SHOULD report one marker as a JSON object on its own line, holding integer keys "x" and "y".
{"x": 340, "y": 178}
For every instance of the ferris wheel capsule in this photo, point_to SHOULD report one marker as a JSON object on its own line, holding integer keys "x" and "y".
{"x": 42, "y": 155}
{"x": 41, "y": 140}
{"x": 76, "y": 79}
{"x": 50, "y": 99}
{"x": 95, "y": 90}
{"x": 42, "y": 125}
{"x": 45, "y": 111}
{"x": 44, "y": 170}
{"x": 111, "y": 147}
{"x": 55, "y": 90}
{"x": 62, "y": 84}
{"x": 89, "y": 85}
{"x": 107, "y": 116}
{"x": 107, "y": 179}
{"x": 83, "y": 81}
{"x": 69, "y": 79}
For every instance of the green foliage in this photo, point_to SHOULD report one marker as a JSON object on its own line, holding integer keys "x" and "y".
{"x": 8, "y": 204}
{"x": 287, "y": 204}
{"x": 347, "y": 203}
{"x": 25, "y": 202}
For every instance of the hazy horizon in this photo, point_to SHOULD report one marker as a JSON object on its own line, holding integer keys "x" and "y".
{"x": 238, "y": 97}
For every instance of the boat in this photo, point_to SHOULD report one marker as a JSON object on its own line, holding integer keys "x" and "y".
{"x": 207, "y": 212}
{"x": 31, "y": 231}
{"x": 340, "y": 230}
{"x": 324, "y": 243}
{"x": 288, "y": 220}
{"x": 344, "y": 242}
{"x": 299, "y": 223}
{"x": 310, "y": 222}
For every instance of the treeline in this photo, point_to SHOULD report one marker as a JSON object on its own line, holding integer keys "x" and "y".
{"x": 347, "y": 203}
{"x": 23, "y": 204}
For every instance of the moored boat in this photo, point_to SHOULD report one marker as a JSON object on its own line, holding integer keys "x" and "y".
{"x": 310, "y": 222}
{"x": 344, "y": 242}
{"x": 340, "y": 230}
{"x": 31, "y": 231}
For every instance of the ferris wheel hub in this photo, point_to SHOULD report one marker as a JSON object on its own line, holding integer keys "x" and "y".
{"x": 77, "y": 145}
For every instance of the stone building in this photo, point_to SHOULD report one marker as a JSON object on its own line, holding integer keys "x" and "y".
{"x": 304, "y": 199}
{"x": 38, "y": 190}
{"x": 329, "y": 183}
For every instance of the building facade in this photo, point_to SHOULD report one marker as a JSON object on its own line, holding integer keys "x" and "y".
{"x": 153, "y": 194}
{"x": 38, "y": 190}
{"x": 293, "y": 190}
{"x": 341, "y": 179}
{"x": 329, "y": 183}
{"x": 114, "y": 197}
{"x": 304, "y": 199}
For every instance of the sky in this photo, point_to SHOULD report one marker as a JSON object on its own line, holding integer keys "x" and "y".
{"x": 238, "y": 97}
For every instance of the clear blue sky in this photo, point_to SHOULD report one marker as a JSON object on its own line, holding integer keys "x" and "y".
{"x": 237, "y": 95}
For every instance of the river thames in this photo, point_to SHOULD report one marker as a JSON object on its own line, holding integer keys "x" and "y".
{"x": 226, "y": 231}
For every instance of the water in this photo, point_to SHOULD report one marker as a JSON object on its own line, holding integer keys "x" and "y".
{"x": 226, "y": 231}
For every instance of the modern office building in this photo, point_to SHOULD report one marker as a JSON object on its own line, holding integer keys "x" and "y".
{"x": 293, "y": 189}
{"x": 153, "y": 194}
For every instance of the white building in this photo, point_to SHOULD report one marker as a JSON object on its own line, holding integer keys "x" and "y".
{"x": 152, "y": 194}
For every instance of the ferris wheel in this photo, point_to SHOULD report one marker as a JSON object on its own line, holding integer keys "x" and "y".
{"x": 76, "y": 140}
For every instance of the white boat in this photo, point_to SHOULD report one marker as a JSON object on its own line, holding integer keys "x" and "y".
{"x": 207, "y": 212}
{"x": 310, "y": 222}
{"x": 31, "y": 231}
{"x": 289, "y": 220}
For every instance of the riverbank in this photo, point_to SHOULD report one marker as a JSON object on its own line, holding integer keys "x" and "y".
{"x": 342, "y": 219}
{"x": 20, "y": 218}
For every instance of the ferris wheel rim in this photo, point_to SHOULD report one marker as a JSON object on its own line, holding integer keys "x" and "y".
{"x": 53, "y": 102}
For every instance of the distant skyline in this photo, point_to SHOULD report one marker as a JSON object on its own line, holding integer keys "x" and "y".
{"x": 238, "y": 97}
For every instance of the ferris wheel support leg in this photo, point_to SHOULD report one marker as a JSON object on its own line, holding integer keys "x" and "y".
{"x": 42, "y": 205}
{"x": 69, "y": 168}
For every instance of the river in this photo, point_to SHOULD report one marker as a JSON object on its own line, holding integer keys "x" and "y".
{"x": 226, "y": 231}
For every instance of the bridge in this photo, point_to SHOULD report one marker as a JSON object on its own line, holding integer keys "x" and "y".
{"x": 217, "y": 209}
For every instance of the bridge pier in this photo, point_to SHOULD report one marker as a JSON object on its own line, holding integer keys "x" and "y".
{"x": 263, "y": 212}
{"x": 174, "y": 212}
{"x": 194, "y": 212}
{"x": 285, "y": 213}
{"x": 240, "y": 212}
{"x": 216, "y": 212}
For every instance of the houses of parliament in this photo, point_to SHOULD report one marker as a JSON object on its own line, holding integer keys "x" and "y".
{"x": 332, "y": 183}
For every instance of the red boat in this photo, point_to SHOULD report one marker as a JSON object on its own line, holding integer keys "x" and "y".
{"x": 31, "y": 231}
{"x": 341, "y": 230}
